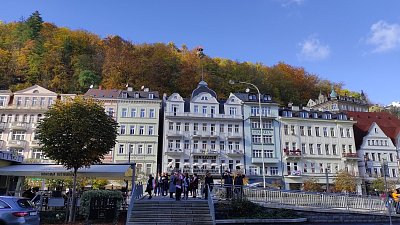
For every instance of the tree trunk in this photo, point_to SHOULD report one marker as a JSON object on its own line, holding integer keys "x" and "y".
{"x": 72, "y": 206}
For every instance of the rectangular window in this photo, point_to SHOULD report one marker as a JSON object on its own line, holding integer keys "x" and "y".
{"x": 344, "y": 148}
{"x": 133, "y": 112}
{"x": 327, "y": 152}
{"x": 110, "y": 112}
{"x": 212, "y": 145}
{"x": 27, "y": 101}
{"x": 309, "y": 130}
{"x": 177, "y": 144}
{"x": 186, "y": 127}
{"x": 334, "y": 150}
{"x": 267, "y": 139}
{"x": 294, "y": 146}
{"x": 142, "y": 113}
{"x": 230, "y": 145}
{"x": 204, "y": 109}
{"x": 19, "y": 101}
{"x": 171, "y": 126}
{"x": 312, "y": 167}
{"x": 186, "y": 144}
{"x": 123, "y": 129}
{"x": 121, "y": 149}
{"x": 232, "y": 110}
{"x": 350, "y": 149}
{"x": 303, "y": 148}
{"x": 2, "y": 100}
{"x": 140, "y": 149}
{"x": 170, "y": 143}
{"x": 195, "y": 126}
{"x": 257, "y": 154}
{"x": 150, "y": 149}
{"x": 302, "y": 131}
{"x": 317, "y": 132}
{"x": 18, "y": 135}
{"x": 42, "y": 101}
{"x": 286, "y": 129}
{"x": 311, "y": 147}
{"x": 152, "y": 113}
{"x": 237, "y": 145}
{"x": 195, "y": 144}
{"x": 204, "y": 127}
{"x": 256, "y": 139}
{"x": 141, "y": 130}
{"x": 292, "y": 130}
{"x": 342, "y": 134}
{"x": 348, "y": 132}
{"x": 196, "y": 109}
{"x": 255, "y": 110}
{"x": 332, "y": 132}
{"x": 236, "y": 128}
{"x": 319, "y": 150}
{"x": 34, "y": 101}
{"x": 178, "y": 126}
{"x": 273, "y": 170}
{"x": 204, "y": 145}
{"x": 221, "y": 128}
{"x": 230, "y": 128}
{"x": 269, "y": 153}
{"x": 267, "y": 124}
{"x": 221, "y": 145}
{"x": 124, "y": 112}
{"x": 325, "y": 130}
{"x": 151, "y": 130}
{"x": 255, "y": 124}
{"x": 212, "y": 129}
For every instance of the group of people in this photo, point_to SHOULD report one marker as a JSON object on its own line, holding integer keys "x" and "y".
{"x": 177, "y": 184}
{"x": 233, "y": 185}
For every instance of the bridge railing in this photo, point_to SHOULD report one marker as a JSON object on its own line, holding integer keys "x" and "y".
{"x": 303, "y": 199}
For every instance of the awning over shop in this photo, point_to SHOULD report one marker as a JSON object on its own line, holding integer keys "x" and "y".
{"x": 114, "y": 171}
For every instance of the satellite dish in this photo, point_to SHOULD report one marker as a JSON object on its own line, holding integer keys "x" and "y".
{"x": 247, "y": 90}
{"x": 91, "y": 86}
{"x": 142, "y": 88}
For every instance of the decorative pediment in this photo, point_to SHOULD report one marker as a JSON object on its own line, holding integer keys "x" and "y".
{"x": 204, "y": 97}
{"x": 233, "y": 100}
{"x": 35, "y": 90}
{"x": 175, "y": 97}
{"x": 376, "y": 131}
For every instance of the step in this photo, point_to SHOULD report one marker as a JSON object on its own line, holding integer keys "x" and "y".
{"x": 169, "y": 223}
{"x": 171, "y": 220}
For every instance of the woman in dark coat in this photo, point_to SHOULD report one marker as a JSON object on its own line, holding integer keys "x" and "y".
{"x": 149, "y": 186}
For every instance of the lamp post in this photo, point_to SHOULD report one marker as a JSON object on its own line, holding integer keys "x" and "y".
{"x": 385, "y": 167}
{"x": 261, "y": 125}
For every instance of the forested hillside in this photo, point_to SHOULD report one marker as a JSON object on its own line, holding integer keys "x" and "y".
{"x": 69, "y": 61}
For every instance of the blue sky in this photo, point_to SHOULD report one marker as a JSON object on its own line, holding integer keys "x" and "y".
{"x": 356, "y": 42}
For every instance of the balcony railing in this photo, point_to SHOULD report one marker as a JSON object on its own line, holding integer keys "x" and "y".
{"x": 174, "y": 151}
{"x": 35, "y": 143}
{"x": 172, "y": 133}
{"x": 235, "y": 152}
{"x": 294, "y": 173}
{"x": 350, "y": 156}
{"x": 292, "y": 153}
{"x": 218, "y": 116}
{"x": 205, "y": 151}
{"x": 17, "y": 143}
{"x": 19, "y": 126}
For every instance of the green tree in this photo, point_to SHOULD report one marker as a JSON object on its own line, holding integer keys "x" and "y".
{"x": 345, "y": 182}
{"x": 87, "y": 78}
{"x": 35, "y": 24}
{"x": 311, "y": 184}
{"x": 77, "y": 133}
{"x": 378, "y": 184}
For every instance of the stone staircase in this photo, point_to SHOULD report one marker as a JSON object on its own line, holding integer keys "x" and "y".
{"x": 157, "y": 212}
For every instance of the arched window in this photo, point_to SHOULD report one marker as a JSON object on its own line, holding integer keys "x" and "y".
{"x": 3, "y": 118}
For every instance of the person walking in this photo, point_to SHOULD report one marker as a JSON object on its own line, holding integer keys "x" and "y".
{"x": 195, "y": 185}
{"x": 149, "y": 186}
{"x": 186, "y": 184}
{"x": 172, "y": 188}
{"x": 208, "y": 184}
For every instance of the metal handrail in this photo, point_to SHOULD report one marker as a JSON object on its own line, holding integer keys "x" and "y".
{"x": 211, "y": 204}
{"x": 136, "y": 194}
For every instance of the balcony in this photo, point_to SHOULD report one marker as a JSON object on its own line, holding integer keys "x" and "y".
{"x": 350, "y": 156}
{"x": 10, "y": 156}
{"x": 292, "y": 154}
{"x": 294, "y": 173}
{"x": 201, "y": 115}
{"x": 174, "y": 134}
{"x": 34, "y": 143}
{"x": 234, "y": 153}
{"x": 234, "y": 136}
{"x": 266, "y": 160}
{"x": 16, "y": 144}
{"x": 212, "y": 152}
{"x": 19, "y": 126}
{"x": 207, "y": 135}
{"x": 3, "y": 126}
{"x": 174, "y": 151}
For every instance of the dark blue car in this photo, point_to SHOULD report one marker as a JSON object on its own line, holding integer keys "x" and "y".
{"x": 17, "y": 210}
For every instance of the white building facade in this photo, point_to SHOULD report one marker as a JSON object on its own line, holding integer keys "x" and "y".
{"x": 20, "y": 113}
{"x": 203, "y": 134}
{"x": 316, "y": 145}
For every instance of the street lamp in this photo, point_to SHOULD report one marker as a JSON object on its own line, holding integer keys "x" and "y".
{"x": 385, "y": 168}
{"x": 261, "y": 124}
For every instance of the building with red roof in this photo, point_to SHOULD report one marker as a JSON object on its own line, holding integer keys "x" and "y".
{"x": 377, "y": 141}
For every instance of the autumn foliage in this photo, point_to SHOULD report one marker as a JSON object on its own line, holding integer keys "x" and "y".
{"x": 64, "y": 60}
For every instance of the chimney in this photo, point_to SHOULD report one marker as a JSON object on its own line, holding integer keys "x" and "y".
{"x": 146, "y": 90}
{"x": 100, "y": 87}
{"x": 129, "y": 89}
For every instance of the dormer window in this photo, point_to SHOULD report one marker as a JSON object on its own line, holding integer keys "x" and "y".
{"x": 124, "y": 95}
{"x": 252, "y": 97}
{"x": 151, "y": 96}
{"x": 136, "y": 95}
{"x": 304, "y": 114}
{"x": 287, "y": 114}
{"x": 315, "y": 115}
{"x": 327, "y": 116}
{"x": 267, "y": 98}
{"x": 204, "y": 98}
{"x": 342, "y": 117}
